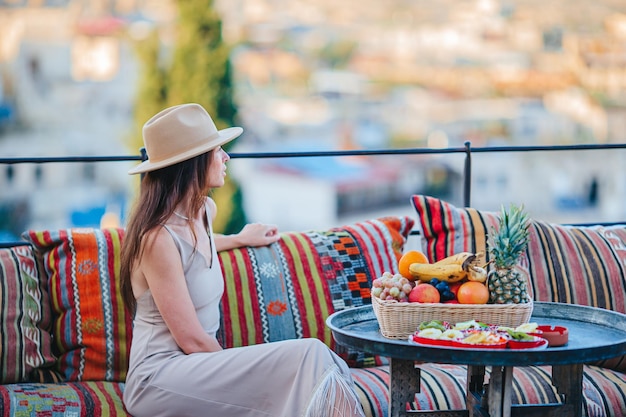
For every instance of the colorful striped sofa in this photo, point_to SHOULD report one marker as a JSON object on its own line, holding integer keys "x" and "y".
{"x": 65, "y": 334}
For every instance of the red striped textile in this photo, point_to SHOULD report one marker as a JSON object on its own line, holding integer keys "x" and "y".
{"x": 85, "y": 399}
{"x": 581, "y": 265}
{"x": 91, "y": 328}
{"x": 25, "y": 317}
{"x": 288, "y": 290}
{"x": 443, "y": 388}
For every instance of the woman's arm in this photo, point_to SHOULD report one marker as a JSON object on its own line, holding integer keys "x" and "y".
{"x": 162, "y": 268}
{"x": 252, "y": 234}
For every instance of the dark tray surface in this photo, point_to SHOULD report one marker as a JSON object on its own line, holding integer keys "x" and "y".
{"x": 594, "y": 334}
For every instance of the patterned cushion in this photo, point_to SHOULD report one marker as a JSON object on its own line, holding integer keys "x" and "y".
{"x": 443, "y": 388}
{"x": 287, "y": 290}
{"x": 25, "y": 317}
{"x": 569, "y": 264}
{"x": 91, "y": 327}
{"x": 64, "y": 399}
{"x": 582, "y": 265}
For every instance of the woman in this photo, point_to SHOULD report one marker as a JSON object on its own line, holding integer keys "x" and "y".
{"x": 172, "y": 280}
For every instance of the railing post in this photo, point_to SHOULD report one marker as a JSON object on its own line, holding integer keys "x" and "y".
{"x": 144, "y": 157}
{"x": 467, "y": 176}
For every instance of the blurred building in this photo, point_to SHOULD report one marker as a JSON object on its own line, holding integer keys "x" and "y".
{"x": 68, "y": 75}
{"x": 327, "y": 75}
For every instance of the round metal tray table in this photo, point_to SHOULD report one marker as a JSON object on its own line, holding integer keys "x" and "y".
{"x": 594, "y": 334}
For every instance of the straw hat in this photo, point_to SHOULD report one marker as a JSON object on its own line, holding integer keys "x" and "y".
{"x": 179, "y": 133}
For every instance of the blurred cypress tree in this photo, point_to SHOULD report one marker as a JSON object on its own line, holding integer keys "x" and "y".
{"x": 152, "y": 88}
{"x": 199, "y": 72}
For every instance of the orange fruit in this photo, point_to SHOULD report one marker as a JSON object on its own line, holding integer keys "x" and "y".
{"x": 472, "y": 292}
{"x": 408, "y": 258}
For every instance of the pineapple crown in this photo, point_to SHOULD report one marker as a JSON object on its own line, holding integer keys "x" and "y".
{"x": 511, "y": 239}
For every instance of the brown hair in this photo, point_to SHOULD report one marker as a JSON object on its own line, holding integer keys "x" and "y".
{"x": 161, "y": 191}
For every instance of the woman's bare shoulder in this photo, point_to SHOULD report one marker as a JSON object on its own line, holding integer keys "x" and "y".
{"x": 157, "y": 239}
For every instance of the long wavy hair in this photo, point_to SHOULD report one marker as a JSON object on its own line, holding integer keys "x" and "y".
{"x": 160, "y": 193}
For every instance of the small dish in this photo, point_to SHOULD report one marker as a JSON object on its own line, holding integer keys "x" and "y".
{"x": 536, "y": 343}
{"x": 432, "y": 342}
{"x": 555, "y": 335}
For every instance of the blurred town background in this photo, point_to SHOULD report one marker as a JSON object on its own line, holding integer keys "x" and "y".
{"x": 323, "y": 75}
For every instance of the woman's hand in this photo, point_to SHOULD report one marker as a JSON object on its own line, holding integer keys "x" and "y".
{"x": 252, "y": 234}
{"x": 258, "y": 234}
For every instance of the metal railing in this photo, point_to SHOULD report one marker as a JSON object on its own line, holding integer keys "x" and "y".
{"x": 467, "y": 150}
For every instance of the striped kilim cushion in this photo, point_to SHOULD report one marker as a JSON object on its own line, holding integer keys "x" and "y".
{"x": 288, "y": 289}
{"x": 92, "y": 399}
{"x": 91, "y": 327}
{"x": 25, "y": 317}
{"x": 568, "y": 264}
{"x": 443, "y": 388}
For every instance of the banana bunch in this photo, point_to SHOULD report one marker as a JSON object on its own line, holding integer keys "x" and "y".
{"x": 454, "y": 268}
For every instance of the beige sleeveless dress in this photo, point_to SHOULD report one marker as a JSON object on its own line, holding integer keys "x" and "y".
{"x": 294, "y": 378}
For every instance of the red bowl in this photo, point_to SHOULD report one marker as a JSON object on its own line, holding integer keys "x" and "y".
{"x": 432, "y": 342}
{"x": 536, "y": 343}
{"x": 555, "y": 335}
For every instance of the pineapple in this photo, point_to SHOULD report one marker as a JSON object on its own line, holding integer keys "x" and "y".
{"x": 506, "y": 284}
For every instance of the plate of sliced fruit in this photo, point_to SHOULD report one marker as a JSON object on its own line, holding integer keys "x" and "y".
{"x": 476, "y": 335}
{"x": 475, "y": 339}
{"x": 483, "y": 339}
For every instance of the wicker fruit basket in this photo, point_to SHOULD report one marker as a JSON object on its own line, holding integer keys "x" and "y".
{"x": 399, "y": 320}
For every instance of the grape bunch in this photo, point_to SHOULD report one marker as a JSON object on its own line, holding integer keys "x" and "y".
{"x": 392, "y": 287}
{"x": 444, "y": 289}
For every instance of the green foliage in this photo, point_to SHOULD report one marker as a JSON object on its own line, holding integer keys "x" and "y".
{"x": 199, "y": 72}
{"x": 230, "y": 215}
{"x": 152, "y": 90}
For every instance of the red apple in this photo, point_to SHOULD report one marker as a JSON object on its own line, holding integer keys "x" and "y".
{"x": 424, "y": 293}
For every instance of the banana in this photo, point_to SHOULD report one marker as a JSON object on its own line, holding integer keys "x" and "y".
{"x": 449, "y": 273}
{"x": 476, "y": 273}
{"x": 457, "y": 258}
{"x": 454, "y": 268}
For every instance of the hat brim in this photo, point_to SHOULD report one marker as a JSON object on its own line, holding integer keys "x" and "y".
{"x": 224, "y": 136}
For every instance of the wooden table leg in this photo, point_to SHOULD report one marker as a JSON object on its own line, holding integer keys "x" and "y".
{"x": 475, "y": 378}
{"x": 474, "y": 389}
{"x": 404, "y": 383}
{"x": 500, "y": 391}
{"x": 568, "y": 380}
